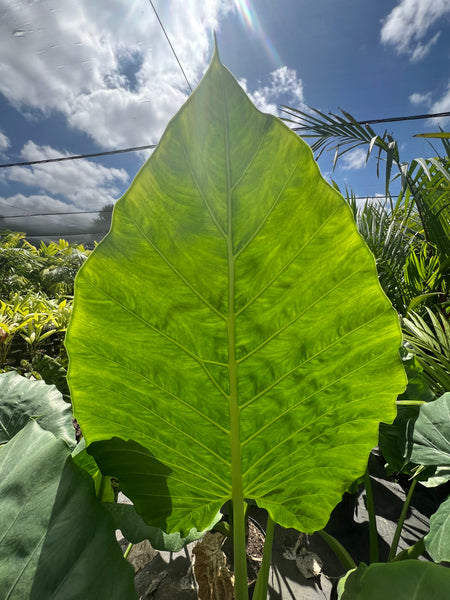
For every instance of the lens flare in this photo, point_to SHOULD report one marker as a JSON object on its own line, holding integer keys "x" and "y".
{"x": 250, "y": 20}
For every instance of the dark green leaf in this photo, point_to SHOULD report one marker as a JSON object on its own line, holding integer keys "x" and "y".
{"x": 429, "y": 437}
{"x": 52, "y": 373}
{"x": 22, "y": 399}
{"x": 103, "y": 488}
{"x": 135, "y": 529}
{"x": 437, "y": 542}
{"x": 56, "y": 540}
{"x": 393, "y": 438}
{"x": 404, "y": 580}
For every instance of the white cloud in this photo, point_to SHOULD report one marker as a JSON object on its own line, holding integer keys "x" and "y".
{"x": 20, "y": 205}
{"x": 283, "y": 87}
{"x": 421, "y": 50}
{"x": 408, "y": 23}
{"x": 4, "y": 142}
{"x": 355, "y": 159}
{"x": 418, "y": 98}
{"x": 107, "y": 69}
{"x": 442, "y": 105}
{"x": 84, "y": 184}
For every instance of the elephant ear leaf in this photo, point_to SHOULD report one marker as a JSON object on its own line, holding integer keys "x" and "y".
{"x": 229, "y": 337}
{"x": 402, "y": 580}
{"x": 56, "y": 540}
{"x": 22, "y": 399}
{"x": 428, "y": 438}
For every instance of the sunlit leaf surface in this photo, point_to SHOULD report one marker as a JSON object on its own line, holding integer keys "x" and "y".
{"x": 231, "y": 330}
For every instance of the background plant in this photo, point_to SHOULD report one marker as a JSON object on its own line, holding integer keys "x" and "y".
{"x": 36, "y": 291}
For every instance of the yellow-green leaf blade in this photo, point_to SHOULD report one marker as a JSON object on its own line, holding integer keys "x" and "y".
{"x": 231, "y": 326}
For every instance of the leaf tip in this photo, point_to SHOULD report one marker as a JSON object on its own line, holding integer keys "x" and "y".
{"x": 216, "y": 55}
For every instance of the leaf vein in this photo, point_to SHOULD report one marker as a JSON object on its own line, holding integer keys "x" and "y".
{"x": 160, "y": 387}
{"x": 325, "y": 387}
{"x": 184, "y": 457}
{"x": 200, "y": 191}
{"x": 167, "y": 423}
{"x": 176, "y": 271}
{"x": 288, "y": 373}
{"x": 298, "y": 316}
{"x": 269, "y": 212}
{"x": 289, "y": 262}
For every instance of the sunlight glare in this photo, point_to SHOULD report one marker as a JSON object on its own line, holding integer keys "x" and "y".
{"x": 251, "y": 21}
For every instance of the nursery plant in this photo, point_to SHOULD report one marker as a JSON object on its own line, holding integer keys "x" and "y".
{"x": 254, "y": 353}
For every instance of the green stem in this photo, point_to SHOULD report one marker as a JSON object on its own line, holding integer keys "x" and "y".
{"x": 237, "y": 494}
{"x": 410, "y": 402}
{"x": 262, "y": 581}
{"x": 401, "y": 520}
{"x": 413, "y": 551}
{"x": 239, "y": 551}
{"x": 342, "y": 554}
{"x": 373, "y": 532}
{"x": 128, "y": 550}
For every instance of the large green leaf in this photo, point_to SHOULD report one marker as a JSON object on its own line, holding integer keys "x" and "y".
{"x": 22, "y": 399}
{"x": 230, "y": 332}
{"x": 135, "y": 530}
{"x": 437, "y": 541}
{"x": 403, "y": 580}
{"x": 429, "y": 435}
{"x": 393, "y": 439}
{"x": 56, "y": 540}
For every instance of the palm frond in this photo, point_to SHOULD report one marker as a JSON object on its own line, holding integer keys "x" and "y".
{"x": 429, "y": 182}
{"x": 429, "y": 340}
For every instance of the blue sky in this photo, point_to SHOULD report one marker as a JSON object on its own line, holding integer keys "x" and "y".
{"x": 87, "y": 76}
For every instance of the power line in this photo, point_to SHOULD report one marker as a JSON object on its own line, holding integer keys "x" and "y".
{"x": 152, "y": 146}
{"x": 52, "y": 214}
{"x": 170, "y": 44}
{"x": 100, "y": 210}
{"x": 77, "y": 156}
{"x": 374, "y": 121}
{"x": 409, "y": 118}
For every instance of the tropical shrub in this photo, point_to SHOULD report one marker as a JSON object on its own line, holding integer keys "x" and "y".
{"x": 36, "y": 289}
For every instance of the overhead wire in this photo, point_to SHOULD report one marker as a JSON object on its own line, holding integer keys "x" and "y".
{"x": 107, "y": 211}
{"x": 152, "y": 146}
{"x": 77, "y": 156}
{"x": 91, "y": 154}
{"x": 374, "y": 121}
{"x": 170, "y": 44}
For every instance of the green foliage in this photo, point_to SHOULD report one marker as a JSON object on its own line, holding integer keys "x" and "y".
{"x": 48, "y": 270}
{"x": 52, "y": 372}
{"x": 421, "y": 214}
{"x": 437, "y": 541}
{"x": 253, "y": 352}
{"x": 402, "y": 581}
{"x": 56, "y": 540}
{"x": 229, "y": 341}
{"x": 429, "y": 438}
{"x": 30, "y": 325}
{"x": 36, "y": 284}
{"x": 429, "y": 339}
{"x": 22, "y": 400}
{"x": 392, "y": 439}
{"x": 135, "y": 529}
